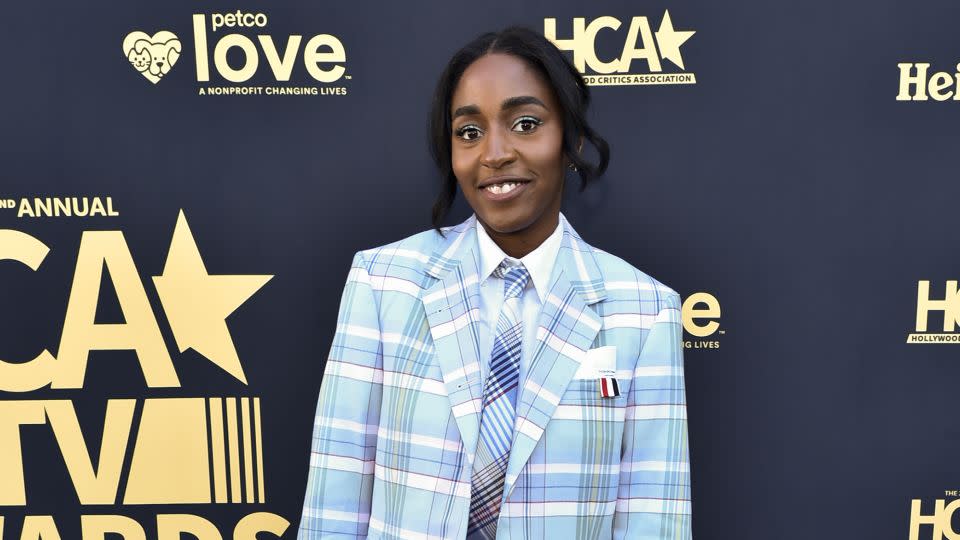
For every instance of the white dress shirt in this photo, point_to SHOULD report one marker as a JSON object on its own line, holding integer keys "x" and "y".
{"x": 539, "y": 264}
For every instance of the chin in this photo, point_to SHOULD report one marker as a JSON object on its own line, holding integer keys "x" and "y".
{"x": 506, "y": 222}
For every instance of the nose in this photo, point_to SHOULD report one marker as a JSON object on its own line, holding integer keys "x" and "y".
{"x": 497, "y": 150}
{"x": 160, "y": 63}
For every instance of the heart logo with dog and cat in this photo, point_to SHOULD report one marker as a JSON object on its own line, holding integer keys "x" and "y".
{"x": 152, "y": 56}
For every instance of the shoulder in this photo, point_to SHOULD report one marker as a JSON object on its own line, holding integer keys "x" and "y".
{"x": 412, "y": 251}
{"x": 401, "y": 265}
{"x": 627, "y": 283}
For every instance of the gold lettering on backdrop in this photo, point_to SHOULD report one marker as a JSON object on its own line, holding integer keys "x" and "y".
{"x": 170, "y": 462}
{"x": 639, "y": 25}
{"x": 43, "y": 207}
{"x": 313, "y": 57}
{"x": 97, "y": 527}
{"x": 39, "y": 528}
{"x": 941, "y": 519}
{"x": 217, "y": 449}
{"x": 25, "y": 209}
{"x": 37, "y": 373}
{"x": 320, "y": 51}
{"x": 196, "y": 304}
{"x": 66, "y": 207}
{"x": 236, "y": 494}
{"x": 60, "y": 207}
{"x": 697, "y": 306}
{"x": 691, "y": 313}
{"x": 282, "y": 68}
{"x": 250, "y": 58}
{"x": 258, "y": 522}
{"x": 916, "y": 85}
{"x": 97, "y": 209}
{"x": 175, "y": 457}
{"x": 640, "y": 43}
{"x": 171, "y": 526}
{"x": 949, "y": 305}
{"x": 171, "y": 456}
{"x": 14, "y": 414}
{"x": 81, "y": 334}
{"x": 93, "y": 486}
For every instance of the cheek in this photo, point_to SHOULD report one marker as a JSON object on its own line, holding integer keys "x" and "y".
{"x": 462, "y": 164}
{"x": 547, "y": 157}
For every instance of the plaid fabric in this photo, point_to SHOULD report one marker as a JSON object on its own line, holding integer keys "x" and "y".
{"x": 498, "y": 413}
{"x": 398, "y": 416}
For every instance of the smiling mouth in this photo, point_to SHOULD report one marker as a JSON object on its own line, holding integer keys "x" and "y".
{"x": 502, "y": 186}
{"x": 505, "y": 187}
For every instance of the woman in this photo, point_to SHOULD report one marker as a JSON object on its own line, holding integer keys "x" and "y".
{"x": 502, "y": 378}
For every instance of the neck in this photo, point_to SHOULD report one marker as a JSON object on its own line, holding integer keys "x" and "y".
{"x": 519, "y": 243}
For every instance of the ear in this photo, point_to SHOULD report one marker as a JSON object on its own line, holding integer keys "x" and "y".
{"x": 140, "y": 45}
{"x": 566, "y": 158}
{"x": 130, "y": 55}
{"x": 173, "y": 52}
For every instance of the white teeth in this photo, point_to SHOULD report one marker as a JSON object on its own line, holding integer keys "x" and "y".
{"x": 505, "y": 187}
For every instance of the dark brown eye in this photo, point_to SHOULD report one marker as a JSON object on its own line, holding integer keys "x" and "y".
{"x": 526, "y": 124}
{"x": 469, "y": 132}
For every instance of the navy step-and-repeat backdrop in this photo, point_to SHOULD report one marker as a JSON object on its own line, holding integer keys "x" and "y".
{"x": 183, "y": 185}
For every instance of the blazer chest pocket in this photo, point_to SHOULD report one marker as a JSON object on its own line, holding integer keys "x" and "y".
{"x": 587, "y": 424}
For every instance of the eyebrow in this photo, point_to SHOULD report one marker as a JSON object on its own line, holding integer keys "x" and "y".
{"x": 508, "y": 103}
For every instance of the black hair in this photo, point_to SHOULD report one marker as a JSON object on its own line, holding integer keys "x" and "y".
{"x": 572, "y": 93}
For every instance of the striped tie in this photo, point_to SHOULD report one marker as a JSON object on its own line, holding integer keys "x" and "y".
{"x": 499, "y": 408}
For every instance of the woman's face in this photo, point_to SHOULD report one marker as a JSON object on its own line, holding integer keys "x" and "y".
{"x": 507, "y": 152}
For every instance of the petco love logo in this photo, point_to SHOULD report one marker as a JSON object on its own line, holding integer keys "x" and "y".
{"x": 152, "y": 56}
{"x": 234, "y": 54}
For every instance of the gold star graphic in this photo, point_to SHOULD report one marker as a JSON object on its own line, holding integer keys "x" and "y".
{"x": 198, "y": 304}
{"x": 670, "y": 40}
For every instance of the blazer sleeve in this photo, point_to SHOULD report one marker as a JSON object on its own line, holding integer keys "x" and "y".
{"x": 343, "y": 451}
{"x": 653, "y": 501}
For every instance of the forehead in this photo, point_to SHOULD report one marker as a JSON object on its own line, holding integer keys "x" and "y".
{"x": 495, "y": 77}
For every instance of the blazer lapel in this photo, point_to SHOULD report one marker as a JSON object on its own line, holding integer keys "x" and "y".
{"x": 567, "y": 328}
{"x": 451, "y": 305}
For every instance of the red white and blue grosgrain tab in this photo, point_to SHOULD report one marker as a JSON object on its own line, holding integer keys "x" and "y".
{"x": 609, "y": 387}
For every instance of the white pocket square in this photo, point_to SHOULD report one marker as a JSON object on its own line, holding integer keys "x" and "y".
{"x": 599, "y": 362}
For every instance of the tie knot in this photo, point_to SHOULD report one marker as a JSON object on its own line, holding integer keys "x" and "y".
{"x": 515, "y": 277}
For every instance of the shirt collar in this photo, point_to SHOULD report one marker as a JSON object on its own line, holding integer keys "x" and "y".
{"x": 538, "y": 262}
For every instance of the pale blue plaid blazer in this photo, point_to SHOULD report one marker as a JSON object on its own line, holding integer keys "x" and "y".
{"x": 398, "y": 416}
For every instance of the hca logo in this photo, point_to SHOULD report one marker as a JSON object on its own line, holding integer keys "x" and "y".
{"x": 940, "y": 520}
{"x": 196, "y": 305}
{"x": 915, "y": 83}
{"x": 323, "y": 55}
{"x": 652, "y": 47}
{"x": 950, "y": 306}
{"x": 151, "y": 451}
